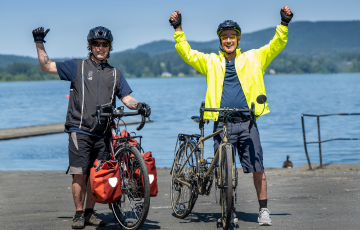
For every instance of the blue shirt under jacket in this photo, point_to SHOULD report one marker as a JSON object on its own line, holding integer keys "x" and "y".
{"x": 233, "y": 95}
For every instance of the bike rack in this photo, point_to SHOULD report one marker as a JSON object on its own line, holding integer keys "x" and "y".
{"x": 318, "y": 124}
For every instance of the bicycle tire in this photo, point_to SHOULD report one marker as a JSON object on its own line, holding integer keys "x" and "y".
{"x": 227, "y": 186}
{"x": 133, "y": 207}
{"x": 183, "y": 198}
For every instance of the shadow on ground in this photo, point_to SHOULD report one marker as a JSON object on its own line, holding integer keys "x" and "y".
{"x": 111, "y": 223}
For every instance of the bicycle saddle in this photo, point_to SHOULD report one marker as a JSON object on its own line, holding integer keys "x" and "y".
{"x": 196, "y": 119}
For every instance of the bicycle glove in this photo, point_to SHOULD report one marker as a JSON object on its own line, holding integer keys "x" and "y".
{"x": 144, "y": 108}
{"x": 176, "y": 23}
{"x": 285, "y": 19}
{"x": 39, "y": 34}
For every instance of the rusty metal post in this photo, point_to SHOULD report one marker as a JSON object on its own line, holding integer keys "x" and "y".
{"x": 318, "y": 122}
{"x": 306, "y": 152}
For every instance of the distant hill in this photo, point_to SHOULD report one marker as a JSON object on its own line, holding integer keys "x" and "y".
{"x": 305, "y": 39}
{"x": 313, "y": 47}
{"x": 5, "y": 60}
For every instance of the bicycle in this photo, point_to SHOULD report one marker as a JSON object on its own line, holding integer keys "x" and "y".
{"x": 131, "y": 210}
{"x": 192, "y": 175}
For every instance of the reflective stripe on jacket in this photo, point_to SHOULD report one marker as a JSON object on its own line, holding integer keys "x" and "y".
{"x": 250, "y": 68}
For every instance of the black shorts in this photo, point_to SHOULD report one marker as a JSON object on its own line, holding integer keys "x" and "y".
{"x": 247, "y": 144}
{"x": 84, "y": 149}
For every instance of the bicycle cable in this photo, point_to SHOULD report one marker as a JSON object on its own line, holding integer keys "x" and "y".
{"x": 123, "y": 123}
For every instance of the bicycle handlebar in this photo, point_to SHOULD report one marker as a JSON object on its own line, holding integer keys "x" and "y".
{"x": 115, "y": 113}
{"x": 226, "y": 110}
{"x": 251, "y": 111}
{"x": 119, "y": 112}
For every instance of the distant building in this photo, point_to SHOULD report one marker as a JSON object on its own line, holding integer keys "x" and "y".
{"x": 181, "y": 74}
{"x": 272, "y": 71}
{"x": 166, "y": 74}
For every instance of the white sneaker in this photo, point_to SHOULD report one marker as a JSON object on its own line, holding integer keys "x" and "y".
{"x": 264, "y": 217}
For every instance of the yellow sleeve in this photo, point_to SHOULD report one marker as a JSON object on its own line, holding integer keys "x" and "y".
{"x": 196, "y": 59}
{"x": 268, "y": 52}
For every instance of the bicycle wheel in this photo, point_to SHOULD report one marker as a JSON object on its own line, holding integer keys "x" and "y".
{"x": 227, "y": 188}
{"x": 132, "y": 208}
{"x": 183, "y": 198}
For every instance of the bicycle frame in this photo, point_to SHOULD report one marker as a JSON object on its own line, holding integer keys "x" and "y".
{"x": 201, "y": 144}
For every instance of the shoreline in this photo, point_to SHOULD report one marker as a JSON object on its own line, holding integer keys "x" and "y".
{"x": 196, "y": 76}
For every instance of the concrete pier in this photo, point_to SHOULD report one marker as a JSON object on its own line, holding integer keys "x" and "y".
{"x": 297, "y": 198}
{"x": 28, "y": 131}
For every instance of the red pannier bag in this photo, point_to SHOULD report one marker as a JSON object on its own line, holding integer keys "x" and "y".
{"x": 151, "y": 167}
{"x": 105, "y": 181}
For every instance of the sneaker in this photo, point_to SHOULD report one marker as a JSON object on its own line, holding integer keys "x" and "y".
{"x": 264, "y": 217}
{"x": 78, "y": 221}
{"x": 234, "y": 219}
{"x": 94, "y": 220}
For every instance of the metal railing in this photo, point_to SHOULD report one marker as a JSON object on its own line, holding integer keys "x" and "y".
{"x": 319, "y": 136}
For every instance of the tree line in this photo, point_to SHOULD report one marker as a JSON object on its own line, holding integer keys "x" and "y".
{"x": 19, "y": 71}
{"x": 139, "y": 65}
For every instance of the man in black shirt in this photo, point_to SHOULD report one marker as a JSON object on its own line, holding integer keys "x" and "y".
{"x": 93, "y": 82}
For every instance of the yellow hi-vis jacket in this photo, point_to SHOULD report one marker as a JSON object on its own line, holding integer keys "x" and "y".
{"x": 250, "y": 68}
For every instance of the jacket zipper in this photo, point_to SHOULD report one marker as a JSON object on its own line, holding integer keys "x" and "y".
{"x": 97, "y": 102}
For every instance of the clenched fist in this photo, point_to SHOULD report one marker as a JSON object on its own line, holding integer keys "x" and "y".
{"x": 286, "y": 15}
{"x": 175, "y": 19}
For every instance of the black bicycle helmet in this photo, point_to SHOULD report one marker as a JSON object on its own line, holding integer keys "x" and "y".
{"x": 228, "y": 25}
{"x": 100, "y": 33}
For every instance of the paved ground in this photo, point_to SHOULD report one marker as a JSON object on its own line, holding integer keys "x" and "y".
{"x": 298, "y": 199}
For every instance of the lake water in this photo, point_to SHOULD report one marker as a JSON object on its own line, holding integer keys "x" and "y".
{"x": 174, "y": 101}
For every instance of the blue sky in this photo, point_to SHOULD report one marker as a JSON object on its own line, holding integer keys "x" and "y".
{"x": 137, "y": 22}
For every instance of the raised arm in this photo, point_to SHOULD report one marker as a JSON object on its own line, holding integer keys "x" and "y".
{"x": 268, "y": 52}
{"x": 196, "y": 59}
{"x": 46, "y": 64}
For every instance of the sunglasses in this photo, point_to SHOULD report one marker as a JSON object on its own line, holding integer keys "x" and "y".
{"x": 97, "y": 44}
{"x": 225, "y": 37}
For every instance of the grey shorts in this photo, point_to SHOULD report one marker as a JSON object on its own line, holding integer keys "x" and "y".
{"x": 84, "y": 149}
{"x": 247, "y": 144}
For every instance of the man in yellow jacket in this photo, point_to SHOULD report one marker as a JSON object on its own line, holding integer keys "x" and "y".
{"x": 234, "y": 80}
